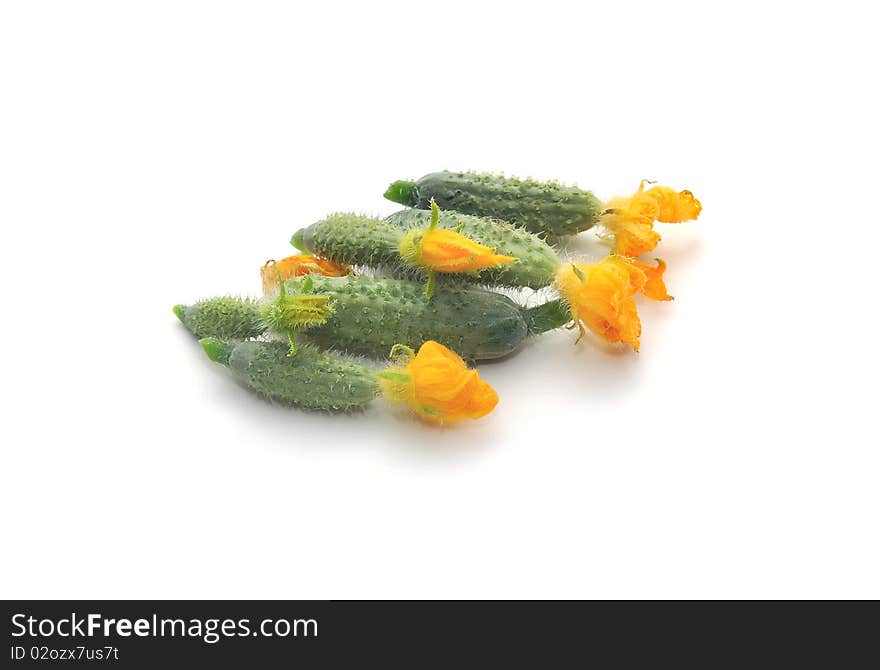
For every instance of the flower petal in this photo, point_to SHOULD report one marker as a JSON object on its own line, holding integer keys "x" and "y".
{"x": 674, "y": 206}
{"x": 634, "y": 239}
{"x": 655, "y": 287}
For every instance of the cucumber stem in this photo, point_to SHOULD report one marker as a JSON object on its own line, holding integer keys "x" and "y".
{"x": 297, "y": 240}
{"x": 217, "y": 350}
{"x": 551, "y": 315}
{"x": 180, "y": 311}
{"x": 402, "y": 192}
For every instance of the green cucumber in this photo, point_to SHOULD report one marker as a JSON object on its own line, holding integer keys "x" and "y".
{"x": 310, "y": 379}
{"x": 371, "y": 314}
{"x": 361, "y": 240}
{"x": 540, "y": 207}
{"x": 351, "y": 239}
{"x": 225, "y": 317}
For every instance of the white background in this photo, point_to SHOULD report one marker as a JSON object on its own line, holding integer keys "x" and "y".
{"x": 158, "y": 152}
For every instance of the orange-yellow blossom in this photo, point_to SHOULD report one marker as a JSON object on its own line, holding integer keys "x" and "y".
{"x": 436, "y": 384}
{"x": 441, "y": 250}
{"x": 296, "y": 266}
{"x": 631, "y": 220}
{"x": 600, "y": 297}
{"x": 445, "y": 250}
{"x": 448, "y": 251}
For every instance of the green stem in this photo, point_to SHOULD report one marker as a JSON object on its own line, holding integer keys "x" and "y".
{"x": 402, "y": 192}
{"x": 217, "y": 350}
{"x": 432, "y": 282}
{"x": 298, "y": 242}
{"x": 548, "y": 316}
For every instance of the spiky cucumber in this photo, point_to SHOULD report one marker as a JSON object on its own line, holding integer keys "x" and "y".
{"x": 372, "y": 314}
{"x": 224, "y": 317}
{"x": 359, "y": 240}
{"x": 538, "y": 206}
{"x": 352, "y": 239}
{"x": 368, "y": 315}
{"x": 310, "y": 379}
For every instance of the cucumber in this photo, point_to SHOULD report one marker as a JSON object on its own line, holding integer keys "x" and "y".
{"x": 540, "y": 207}
{"x": 351, "y": 239}
{"x": 361, "y": 240}
{"x": 225, "y": 317}
{"x": 310, "y": 379}
{"x": 371, "y": 314}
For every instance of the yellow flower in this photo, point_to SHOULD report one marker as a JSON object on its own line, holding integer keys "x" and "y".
{"x": 631, "y": 219}
{"x": 295, "y": 266}
{"x": 448, "y": 251}
{"x": 441, "y": 250}
{"x": 600, "y": 297}
{"x": 436, "y": 384}
{"x": 298, "y": 311}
